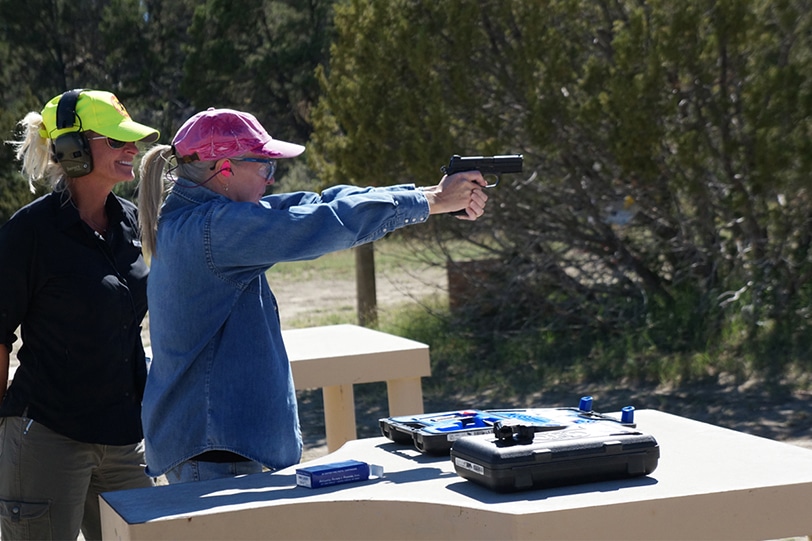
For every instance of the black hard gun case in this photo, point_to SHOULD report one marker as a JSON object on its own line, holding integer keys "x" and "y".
{"x": 526, "y": 459}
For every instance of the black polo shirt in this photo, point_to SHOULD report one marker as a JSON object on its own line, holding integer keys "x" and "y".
{"x": 79, "y": 299}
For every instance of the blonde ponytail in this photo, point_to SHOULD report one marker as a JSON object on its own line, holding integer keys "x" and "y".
{"x": 151, "y": 193}
{"x": 34, "y": 151}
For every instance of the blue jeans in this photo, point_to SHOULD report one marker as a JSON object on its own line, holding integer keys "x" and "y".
{"x": 198, "y": 470}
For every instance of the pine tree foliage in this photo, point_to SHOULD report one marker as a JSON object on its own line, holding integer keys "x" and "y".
{"x": 666, "y": 144}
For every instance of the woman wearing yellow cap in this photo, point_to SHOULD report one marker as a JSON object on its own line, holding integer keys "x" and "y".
{"x": 73, "y": 280}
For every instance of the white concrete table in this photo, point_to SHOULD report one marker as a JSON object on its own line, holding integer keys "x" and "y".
{"x": 335, "y": 357}
{"x": 711, "y": 483}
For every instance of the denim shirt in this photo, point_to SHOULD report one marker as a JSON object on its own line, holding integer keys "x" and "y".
{"x": 220, "y": 377}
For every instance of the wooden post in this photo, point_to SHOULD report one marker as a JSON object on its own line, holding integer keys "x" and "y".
{"x": 367, "y": 299}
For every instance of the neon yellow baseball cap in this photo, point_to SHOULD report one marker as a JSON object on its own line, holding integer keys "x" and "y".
{"x": 97, "y": 111}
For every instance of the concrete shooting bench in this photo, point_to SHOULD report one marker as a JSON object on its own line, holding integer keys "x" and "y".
{"x": 711, "y": 483}
{"x": 335, "y": 357}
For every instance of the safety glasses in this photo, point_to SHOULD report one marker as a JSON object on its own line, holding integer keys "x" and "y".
{"x": 266, "y": 171}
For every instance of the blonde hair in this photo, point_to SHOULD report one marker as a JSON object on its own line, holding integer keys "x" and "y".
{"x": 151, "y": 191}
{"x": 157, "y": 173}
{"x": 34, "y": 151}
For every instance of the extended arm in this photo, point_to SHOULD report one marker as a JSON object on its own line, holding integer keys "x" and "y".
{"x": 461, "y": 192}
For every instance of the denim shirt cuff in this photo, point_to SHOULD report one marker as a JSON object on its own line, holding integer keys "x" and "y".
{"x": 416, "y": 211}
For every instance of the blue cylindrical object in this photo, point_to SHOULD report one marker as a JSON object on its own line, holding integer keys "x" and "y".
{"x": 586, "y": 403}
{"x": 627, "y": 414}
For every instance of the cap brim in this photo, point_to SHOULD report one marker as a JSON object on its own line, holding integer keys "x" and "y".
{"x": 279, "y": 149}
{"x": 129, "y": 130}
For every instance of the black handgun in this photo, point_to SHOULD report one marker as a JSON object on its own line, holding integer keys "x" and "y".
{"x": 487, "y": 165}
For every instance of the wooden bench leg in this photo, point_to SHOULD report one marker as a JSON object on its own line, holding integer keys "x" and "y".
{"x": 339, "y": 415}
{"x": 405, "y": 396}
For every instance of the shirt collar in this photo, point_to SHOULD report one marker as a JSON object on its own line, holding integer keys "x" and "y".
{"x": 68, "y": 214}
{"x": 194, "y": 192}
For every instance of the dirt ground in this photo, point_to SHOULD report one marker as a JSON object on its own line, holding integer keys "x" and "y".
{"x": 316, "y": 296}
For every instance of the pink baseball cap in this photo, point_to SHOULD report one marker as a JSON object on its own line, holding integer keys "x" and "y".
{"x": 214, "y": 134}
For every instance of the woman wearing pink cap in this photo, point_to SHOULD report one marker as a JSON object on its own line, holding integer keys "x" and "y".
{"x": 74, "y": 281}
{"x": 219, "y": 399}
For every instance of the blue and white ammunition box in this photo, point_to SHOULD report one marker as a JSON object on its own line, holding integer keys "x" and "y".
{"x": 336, "y": 473}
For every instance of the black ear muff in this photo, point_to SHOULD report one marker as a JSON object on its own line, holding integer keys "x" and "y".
{"x": 71, "y": 150}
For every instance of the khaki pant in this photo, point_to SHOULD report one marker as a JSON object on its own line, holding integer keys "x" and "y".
{"x": 50, "y": 484}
